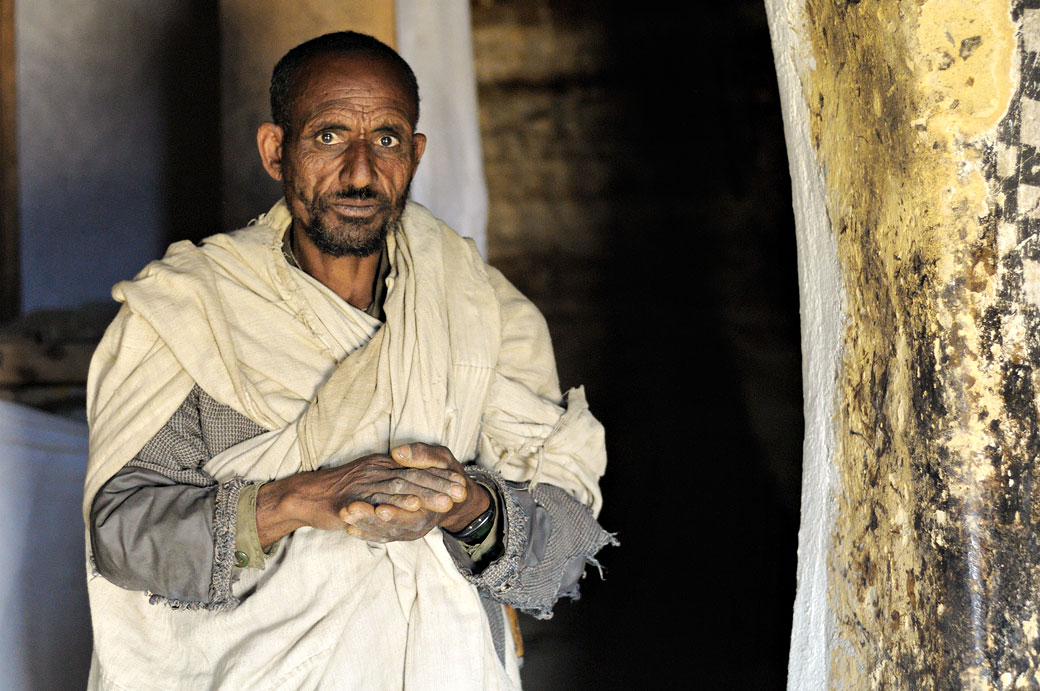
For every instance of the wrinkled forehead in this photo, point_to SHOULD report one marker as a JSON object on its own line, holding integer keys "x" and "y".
{"x": 327, "y": 75}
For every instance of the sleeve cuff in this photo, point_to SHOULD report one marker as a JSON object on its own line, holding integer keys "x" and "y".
{"x": 499, "y": 575}
{"x": 547, "y": 538}
{"x": 482, "y": 549}
{"x": 248, "y": 552}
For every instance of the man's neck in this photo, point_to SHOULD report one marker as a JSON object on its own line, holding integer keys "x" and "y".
{"x": 349, "y": 277}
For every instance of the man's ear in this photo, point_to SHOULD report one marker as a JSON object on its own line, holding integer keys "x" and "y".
{"x": 418, "y": 146}
{"x": 269, "y": 142}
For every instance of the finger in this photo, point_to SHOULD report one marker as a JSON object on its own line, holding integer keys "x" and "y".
{"x": 426, "y": 486}
{"x": 388, "y": 513}
{"x": 432, "y": 501}
{"x": 447, "y": 482}
{"x": 434, "y": 481}
{"x": 399, "y": 492}
{"x": 365, "y": 524}
{"x": 357, "y": 512}
{"x": 367, "y": 535}
{"x": 419, "y": 455}
{"x": 389, "y": 524}
{"x": 396, "y": 523}
{"x": 445, "y": 474}
{"x": 386, "y": 523}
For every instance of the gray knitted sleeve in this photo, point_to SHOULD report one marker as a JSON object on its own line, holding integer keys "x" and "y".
{"x": 548, "y": 538}
{"x": 165, "y": 526}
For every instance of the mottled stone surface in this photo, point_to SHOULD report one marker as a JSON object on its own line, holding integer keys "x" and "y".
{"x": 922, "y": 116}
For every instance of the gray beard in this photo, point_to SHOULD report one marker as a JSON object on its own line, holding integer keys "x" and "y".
{"x": 356, "y": 241}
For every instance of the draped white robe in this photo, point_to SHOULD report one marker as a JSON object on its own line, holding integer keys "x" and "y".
{"x": 462, "y": 360}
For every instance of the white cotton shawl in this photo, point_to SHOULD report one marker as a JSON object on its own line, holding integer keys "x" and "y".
{"x": 462, "y": 360}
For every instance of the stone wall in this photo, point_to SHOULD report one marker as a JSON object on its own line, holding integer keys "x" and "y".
{"x": 548, "y": 122}
{"x": 575, "y": 177}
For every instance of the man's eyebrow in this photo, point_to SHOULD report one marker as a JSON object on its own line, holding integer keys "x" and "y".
{"x": 320, "y": 125}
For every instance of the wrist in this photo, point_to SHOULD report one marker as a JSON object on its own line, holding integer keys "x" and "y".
{"x": 476, "y": 503}
{"x": 275, "y": 513}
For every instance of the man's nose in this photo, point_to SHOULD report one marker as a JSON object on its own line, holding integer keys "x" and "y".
{"x": 357, "y": 168}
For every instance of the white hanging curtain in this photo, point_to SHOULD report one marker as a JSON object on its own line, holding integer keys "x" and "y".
{"x": 435, "y": 37}
{"x": 44, "y": 619}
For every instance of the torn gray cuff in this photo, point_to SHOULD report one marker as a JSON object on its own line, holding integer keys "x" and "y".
{"x": 225, "y": 530}
{"x": 548, "y": 537}
{"x": 225, "y": 524}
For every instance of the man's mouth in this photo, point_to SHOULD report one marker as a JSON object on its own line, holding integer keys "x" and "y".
{"x": 357, "y": 203}
{"x": 355, "y": 208}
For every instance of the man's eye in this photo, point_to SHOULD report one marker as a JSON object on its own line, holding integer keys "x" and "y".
{"x": 389, "y": 140}
{"x": 328, "y": 138}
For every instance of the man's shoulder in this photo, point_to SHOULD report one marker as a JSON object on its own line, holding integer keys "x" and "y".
{"x": 257, "y": 235}
{"x": 417, "y": 219}
{"x": 245, "y": 257}
{"x": 262, "y": 234}
{"x": 420, "y": 226}
{"x": 252, "y": 243}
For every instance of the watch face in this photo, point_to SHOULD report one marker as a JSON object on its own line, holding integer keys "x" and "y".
{"x": 477, "y": 530}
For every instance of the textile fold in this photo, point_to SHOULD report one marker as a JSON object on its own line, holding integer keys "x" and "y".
{"x": 462, "y": 360}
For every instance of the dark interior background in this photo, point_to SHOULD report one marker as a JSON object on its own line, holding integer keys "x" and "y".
{"x": 670, "y": 284}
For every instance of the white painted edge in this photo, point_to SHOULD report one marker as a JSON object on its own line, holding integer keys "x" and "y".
{"x": 822, "y": 301}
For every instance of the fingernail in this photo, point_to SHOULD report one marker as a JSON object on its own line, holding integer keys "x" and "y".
{"x": 457, "y": 491}
{"x": 386, "y": 515}
{"x": 403, "y": 452}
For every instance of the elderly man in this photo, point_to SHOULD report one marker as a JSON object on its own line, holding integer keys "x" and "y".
{"x": 328, "y": 449}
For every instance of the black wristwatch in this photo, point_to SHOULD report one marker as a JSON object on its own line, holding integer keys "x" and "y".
{"x": 479, "y": 528}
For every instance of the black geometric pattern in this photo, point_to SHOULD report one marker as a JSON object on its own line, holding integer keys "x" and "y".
{"x": 1016, "y": 151}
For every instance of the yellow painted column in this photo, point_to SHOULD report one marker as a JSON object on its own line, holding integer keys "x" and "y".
{"x": 920, "y": 121}
{"x": 253, "y": 35}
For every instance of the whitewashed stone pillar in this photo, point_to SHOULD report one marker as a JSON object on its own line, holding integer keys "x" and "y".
{"x": 913, "y": 131}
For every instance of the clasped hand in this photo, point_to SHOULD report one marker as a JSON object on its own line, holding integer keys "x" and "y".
{"x": 379, "y": 498}
{"x": 410, "y": 491}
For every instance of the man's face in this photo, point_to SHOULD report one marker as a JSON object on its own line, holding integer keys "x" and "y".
{"x": 350, "y": 153}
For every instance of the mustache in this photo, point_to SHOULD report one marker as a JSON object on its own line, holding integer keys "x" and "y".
{"x": 360, "y": 194}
